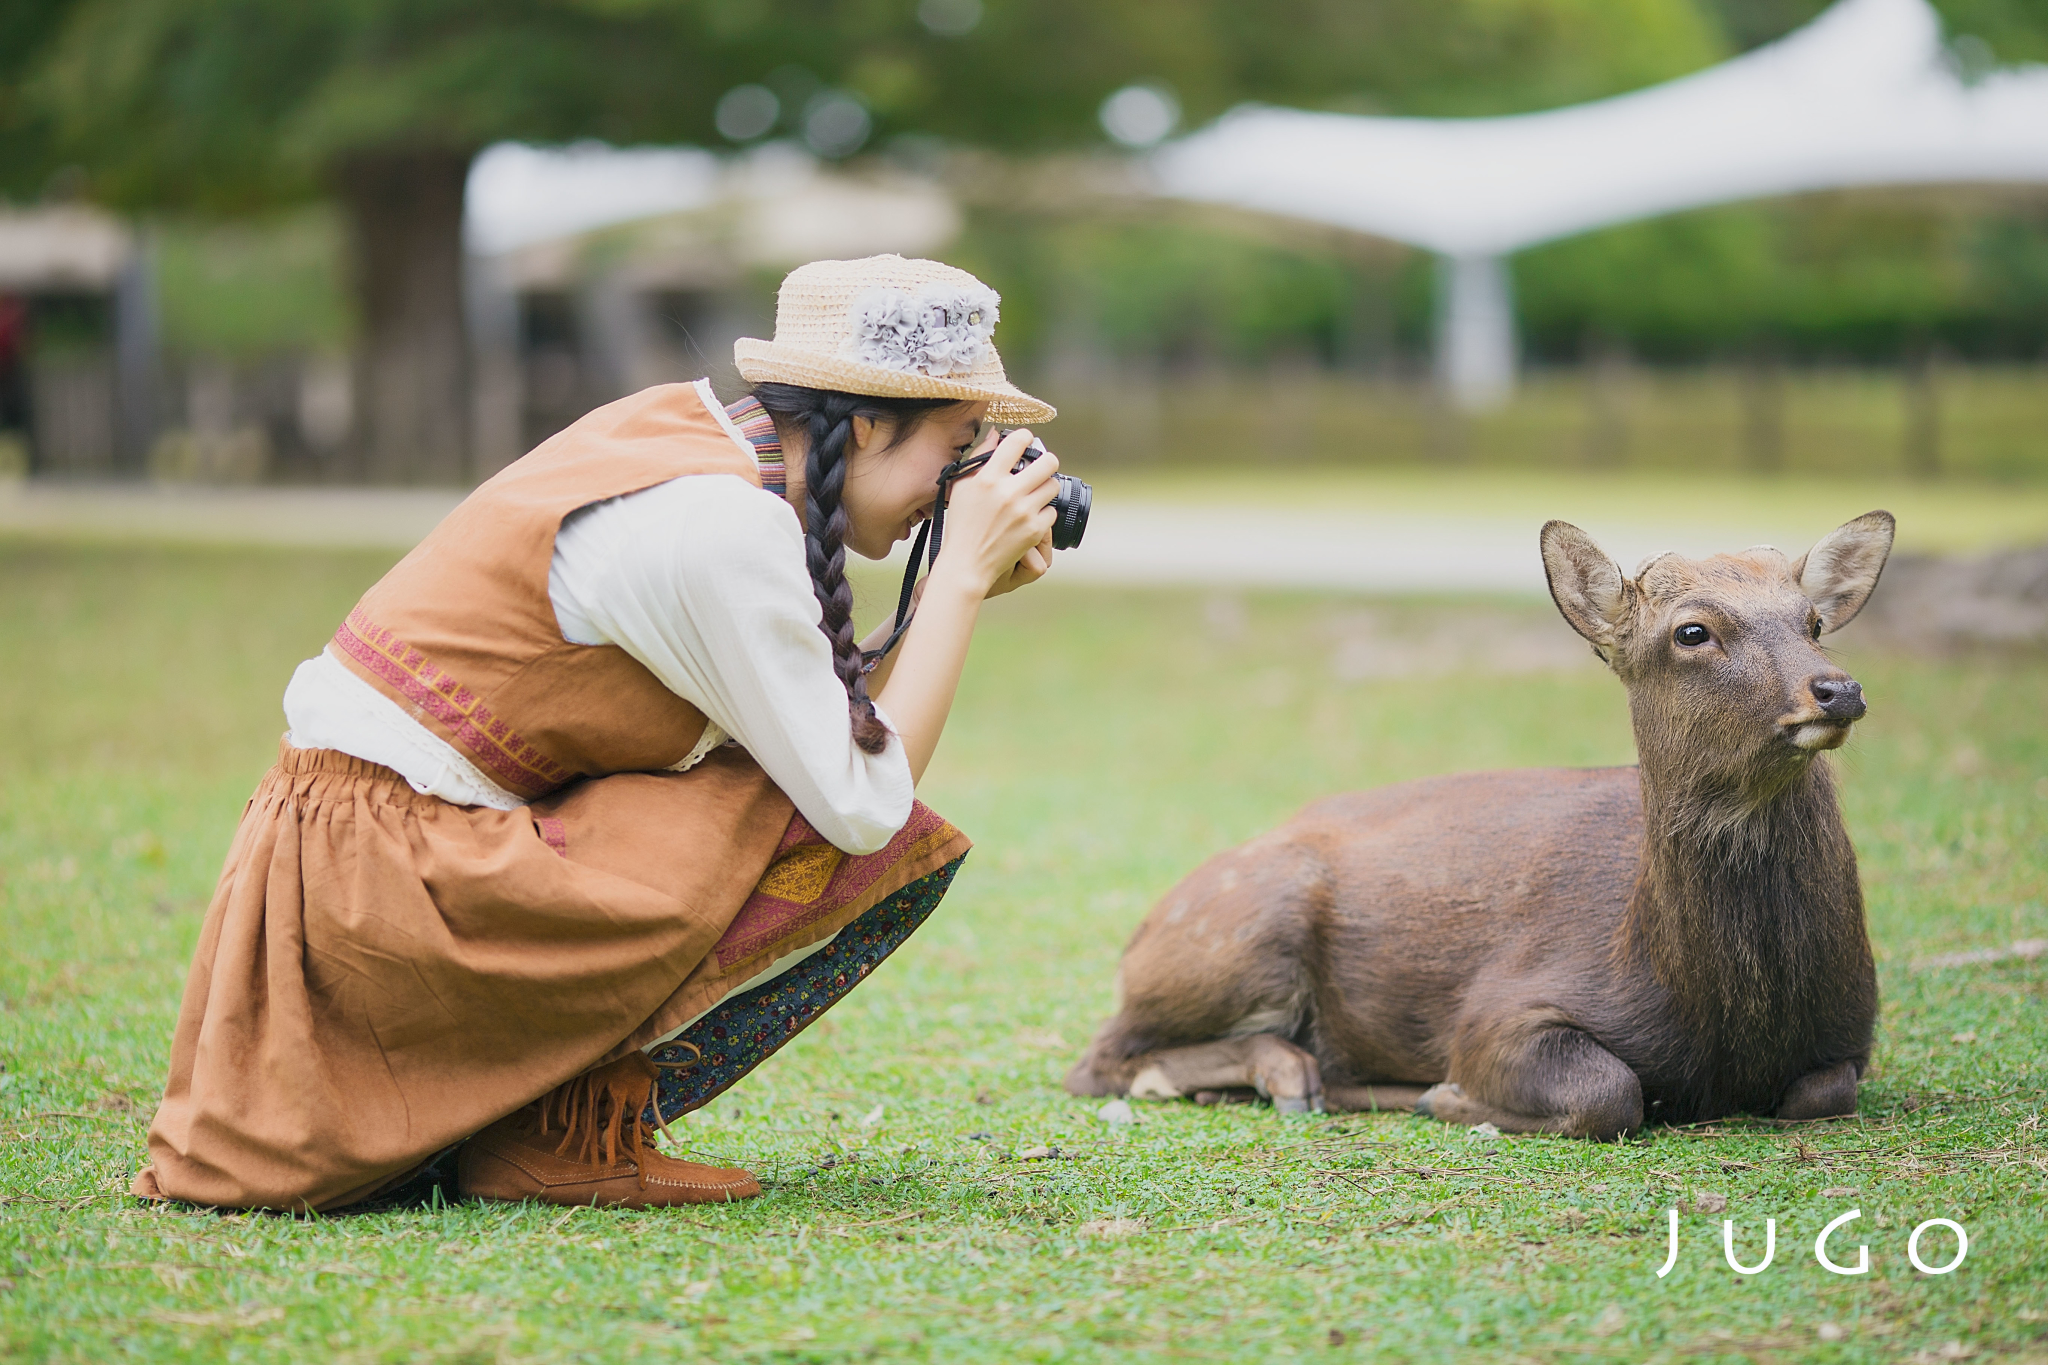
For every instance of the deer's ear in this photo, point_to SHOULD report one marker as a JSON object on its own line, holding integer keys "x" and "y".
{"x": 1839, "y": 573}
{"x": 1586, "y": 585}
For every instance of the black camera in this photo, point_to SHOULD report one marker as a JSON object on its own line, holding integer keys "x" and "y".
{"x": 1069, "y": 506}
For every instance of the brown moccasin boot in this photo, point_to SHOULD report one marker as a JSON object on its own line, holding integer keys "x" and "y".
{"x": 602, "y": 1154}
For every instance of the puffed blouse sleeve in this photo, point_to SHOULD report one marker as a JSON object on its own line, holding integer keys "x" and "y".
{"x": 703, "y": 581}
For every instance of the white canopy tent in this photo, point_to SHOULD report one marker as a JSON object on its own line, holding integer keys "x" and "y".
{"x": 784, "y": 207}
{"x": 1865, "y": 95}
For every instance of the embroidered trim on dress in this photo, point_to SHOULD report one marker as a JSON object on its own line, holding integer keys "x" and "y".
{"x": 808, "y": 879}
{"x": 423, "y": 747}
{"x": 554, "y": 832}
{"x": 495, "y": 744}
{"x": 758, "y": 427}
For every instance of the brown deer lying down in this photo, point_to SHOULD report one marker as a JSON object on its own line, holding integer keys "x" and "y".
{"x": 1556, "y": 950}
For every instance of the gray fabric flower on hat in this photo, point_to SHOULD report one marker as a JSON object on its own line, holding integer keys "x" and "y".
{"x": 936, "y": 330}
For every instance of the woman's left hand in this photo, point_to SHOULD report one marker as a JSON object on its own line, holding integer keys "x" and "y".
{"x": 1029, "y": 569}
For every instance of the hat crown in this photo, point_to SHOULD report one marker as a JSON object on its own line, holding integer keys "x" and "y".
{"x": 893, "y": 326}
{"x": 820, "y": 308}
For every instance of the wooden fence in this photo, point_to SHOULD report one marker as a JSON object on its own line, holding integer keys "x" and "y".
{"x": 1972, "y": 422}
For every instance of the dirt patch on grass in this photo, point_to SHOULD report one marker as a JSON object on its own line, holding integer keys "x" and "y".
{"x": 1943, "y": 606}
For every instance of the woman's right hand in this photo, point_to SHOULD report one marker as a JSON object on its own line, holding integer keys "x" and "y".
{"x": 994, "y": 517}
{"x": 993, "y": 520}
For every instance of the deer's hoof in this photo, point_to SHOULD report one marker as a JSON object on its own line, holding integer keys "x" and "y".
{"x": 1427, "y": 1102}
{"x": 1294, "y": 1104}
{"x": 1821, "y": 1094}
{"x": 1152, "y": 1084}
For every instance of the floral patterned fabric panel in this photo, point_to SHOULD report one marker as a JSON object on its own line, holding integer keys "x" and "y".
{"x": 741, "y": 1033}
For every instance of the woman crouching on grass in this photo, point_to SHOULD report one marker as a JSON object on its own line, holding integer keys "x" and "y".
{"x": 587, "y": 809}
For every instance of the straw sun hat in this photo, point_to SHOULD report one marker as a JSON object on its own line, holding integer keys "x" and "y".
{"x": 889, "y": 326}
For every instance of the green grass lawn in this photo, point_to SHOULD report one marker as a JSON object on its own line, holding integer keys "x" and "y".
{"x": 1104, "y": 744}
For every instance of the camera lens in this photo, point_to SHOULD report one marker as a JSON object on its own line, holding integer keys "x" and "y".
{"x": 1070, "y": 512}
{"x": 1069, "y": 506}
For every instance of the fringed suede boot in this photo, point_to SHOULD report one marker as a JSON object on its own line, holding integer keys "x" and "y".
{"x": 586, "y": 1142}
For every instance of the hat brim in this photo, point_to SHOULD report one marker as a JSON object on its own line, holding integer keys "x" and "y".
{"x": 767, "y": 362}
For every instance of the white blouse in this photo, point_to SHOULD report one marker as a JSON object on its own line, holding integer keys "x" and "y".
{"x": 703, "y": 581}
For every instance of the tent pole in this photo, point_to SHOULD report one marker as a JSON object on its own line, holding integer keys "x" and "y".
{"x": 1475, "y": 331}
{"x": 136, "y": 356}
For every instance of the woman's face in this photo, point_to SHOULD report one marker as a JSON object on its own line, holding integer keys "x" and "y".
{"x": 890, "y": 489}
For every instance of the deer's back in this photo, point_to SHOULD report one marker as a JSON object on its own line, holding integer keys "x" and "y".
{"x": 1453, "y": 870}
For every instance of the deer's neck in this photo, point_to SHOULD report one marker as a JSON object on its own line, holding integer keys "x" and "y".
{"x": 1748, "y": 911}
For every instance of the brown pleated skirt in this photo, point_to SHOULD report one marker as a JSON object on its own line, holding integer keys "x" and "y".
{"x": 381, "y": 973}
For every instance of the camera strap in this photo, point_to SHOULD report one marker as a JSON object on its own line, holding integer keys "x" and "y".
{"x": 929, "y": 537}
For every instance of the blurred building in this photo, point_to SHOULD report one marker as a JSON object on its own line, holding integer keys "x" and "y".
{"x": 596, "y": 272}
{"x": 77, "y": 344}
{"x": 592, "y": 272}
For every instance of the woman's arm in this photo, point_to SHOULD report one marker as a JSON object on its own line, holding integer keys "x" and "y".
{"x": 998, "y": 534}
{"x": 1029, "y": 569}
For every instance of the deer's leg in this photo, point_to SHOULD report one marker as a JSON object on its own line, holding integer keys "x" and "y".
{"x": 1821, "y": 1094}
{"x": 1549, "y": 1079}
{"x": 1213, "y": 983}
{"x": 1264, "y": 1062}
{"x": 1356, "y": 1099}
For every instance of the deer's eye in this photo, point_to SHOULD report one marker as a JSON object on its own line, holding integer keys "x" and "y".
{"x": 1814, "y": 629}
{"x": 1691, "y": 636}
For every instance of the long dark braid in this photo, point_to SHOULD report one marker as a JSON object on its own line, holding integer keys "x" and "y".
{"x": 826, "y": 419}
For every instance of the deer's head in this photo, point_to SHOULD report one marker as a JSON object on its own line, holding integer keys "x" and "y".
{"x": 1721, "y": 656}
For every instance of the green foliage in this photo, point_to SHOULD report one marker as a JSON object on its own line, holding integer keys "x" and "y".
{"x": 1149, "y": 288}
{"x": 249, "y": 289}
{"x": 1751, "y": 23}
{"x": 1033, "y": 73}
{"x": 231, "y": 103}
{"x": 234, "y": 103}
{"x": 71, "y": 324}
{"x": 27, "y": 134}
{"x": 1184, "y": 723}
{"x": 1860, "y": 276}
{"x": 1694, "y": 278}
{"x": 2012, "y": 30}
{"x": 1849, "y": 275}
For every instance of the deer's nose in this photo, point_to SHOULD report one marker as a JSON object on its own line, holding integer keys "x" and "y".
{"x": 1839, "y": 698}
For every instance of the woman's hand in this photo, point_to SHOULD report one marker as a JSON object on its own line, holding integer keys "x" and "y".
{"x": 999, "y": 524}
{"x": 1027, "y": 570}
{"x": 998, "y": 537}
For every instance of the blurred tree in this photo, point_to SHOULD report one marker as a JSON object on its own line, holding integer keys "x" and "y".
{"x": 2009, "y": 30}
{"x": 1864, "y": 276}
{"x": 1752, "y": 23}
{"x": 28, "y": 155}
{"x": 1184, "y": 289}
{"x": 1980, "y": 31}
{"x": 236, "y": 105}
{"x": 1034, "y": 72}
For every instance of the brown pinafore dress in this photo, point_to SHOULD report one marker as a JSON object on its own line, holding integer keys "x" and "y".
{"x": 381, "y": 973}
